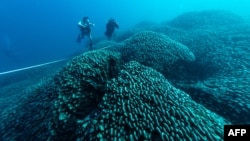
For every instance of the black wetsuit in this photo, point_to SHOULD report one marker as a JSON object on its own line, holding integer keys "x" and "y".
{"x": 86, "y": 30}
{"x": 110, "y": 28}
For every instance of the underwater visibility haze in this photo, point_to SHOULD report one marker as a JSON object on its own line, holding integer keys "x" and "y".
{"x": 42, "y": 31}
{"x": 173, "y": 70}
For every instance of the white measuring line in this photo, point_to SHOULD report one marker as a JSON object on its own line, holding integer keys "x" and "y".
{"x": 44, "y": 64}
{"x": 35, "y": 66}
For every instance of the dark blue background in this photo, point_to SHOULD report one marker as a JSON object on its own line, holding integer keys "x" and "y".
{"x": 39, "y": 31}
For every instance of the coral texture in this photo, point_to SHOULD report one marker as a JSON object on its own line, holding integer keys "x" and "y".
{"x": 140, "y": 104}
{"x": 155, "y": 50}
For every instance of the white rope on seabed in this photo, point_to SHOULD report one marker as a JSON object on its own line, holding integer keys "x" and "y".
{"x": 35, "y": 66}
{"x": 40, "y": 65}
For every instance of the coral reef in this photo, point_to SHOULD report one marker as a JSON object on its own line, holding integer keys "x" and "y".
{"x": 228, "y": 92}
{"x": 140, "y": 104}
{"x": 155, "y": 50}
{"x": 27, "y": 118}
{"x": 80, "y": 86}
{"x": 136, "y": 103}
{"x": 219, "y": 75}
{"x": 157, "y": 82}
{"x": 205, "y": 18}
{"x": 57, "y": 101}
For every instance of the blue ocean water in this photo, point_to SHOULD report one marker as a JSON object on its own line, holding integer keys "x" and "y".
{"x": 174, "y": 70}
{"x": 36, "y": 31}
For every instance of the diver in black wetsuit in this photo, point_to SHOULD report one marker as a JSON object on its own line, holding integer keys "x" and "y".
{"x": 110, "y": 28}
{"x": 85, "y": 28}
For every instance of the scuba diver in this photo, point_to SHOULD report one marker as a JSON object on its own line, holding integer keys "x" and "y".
{"x": 110, "y": 28}
{"x": 85, "y": 28}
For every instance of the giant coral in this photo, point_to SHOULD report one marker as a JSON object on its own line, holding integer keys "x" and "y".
{"x": 80, "y": 86}
{"x": 155, "y": 50}
{"x": 140, "y": 104}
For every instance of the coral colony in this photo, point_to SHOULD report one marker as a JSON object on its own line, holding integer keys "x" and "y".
{"x": 178, "y": 80}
